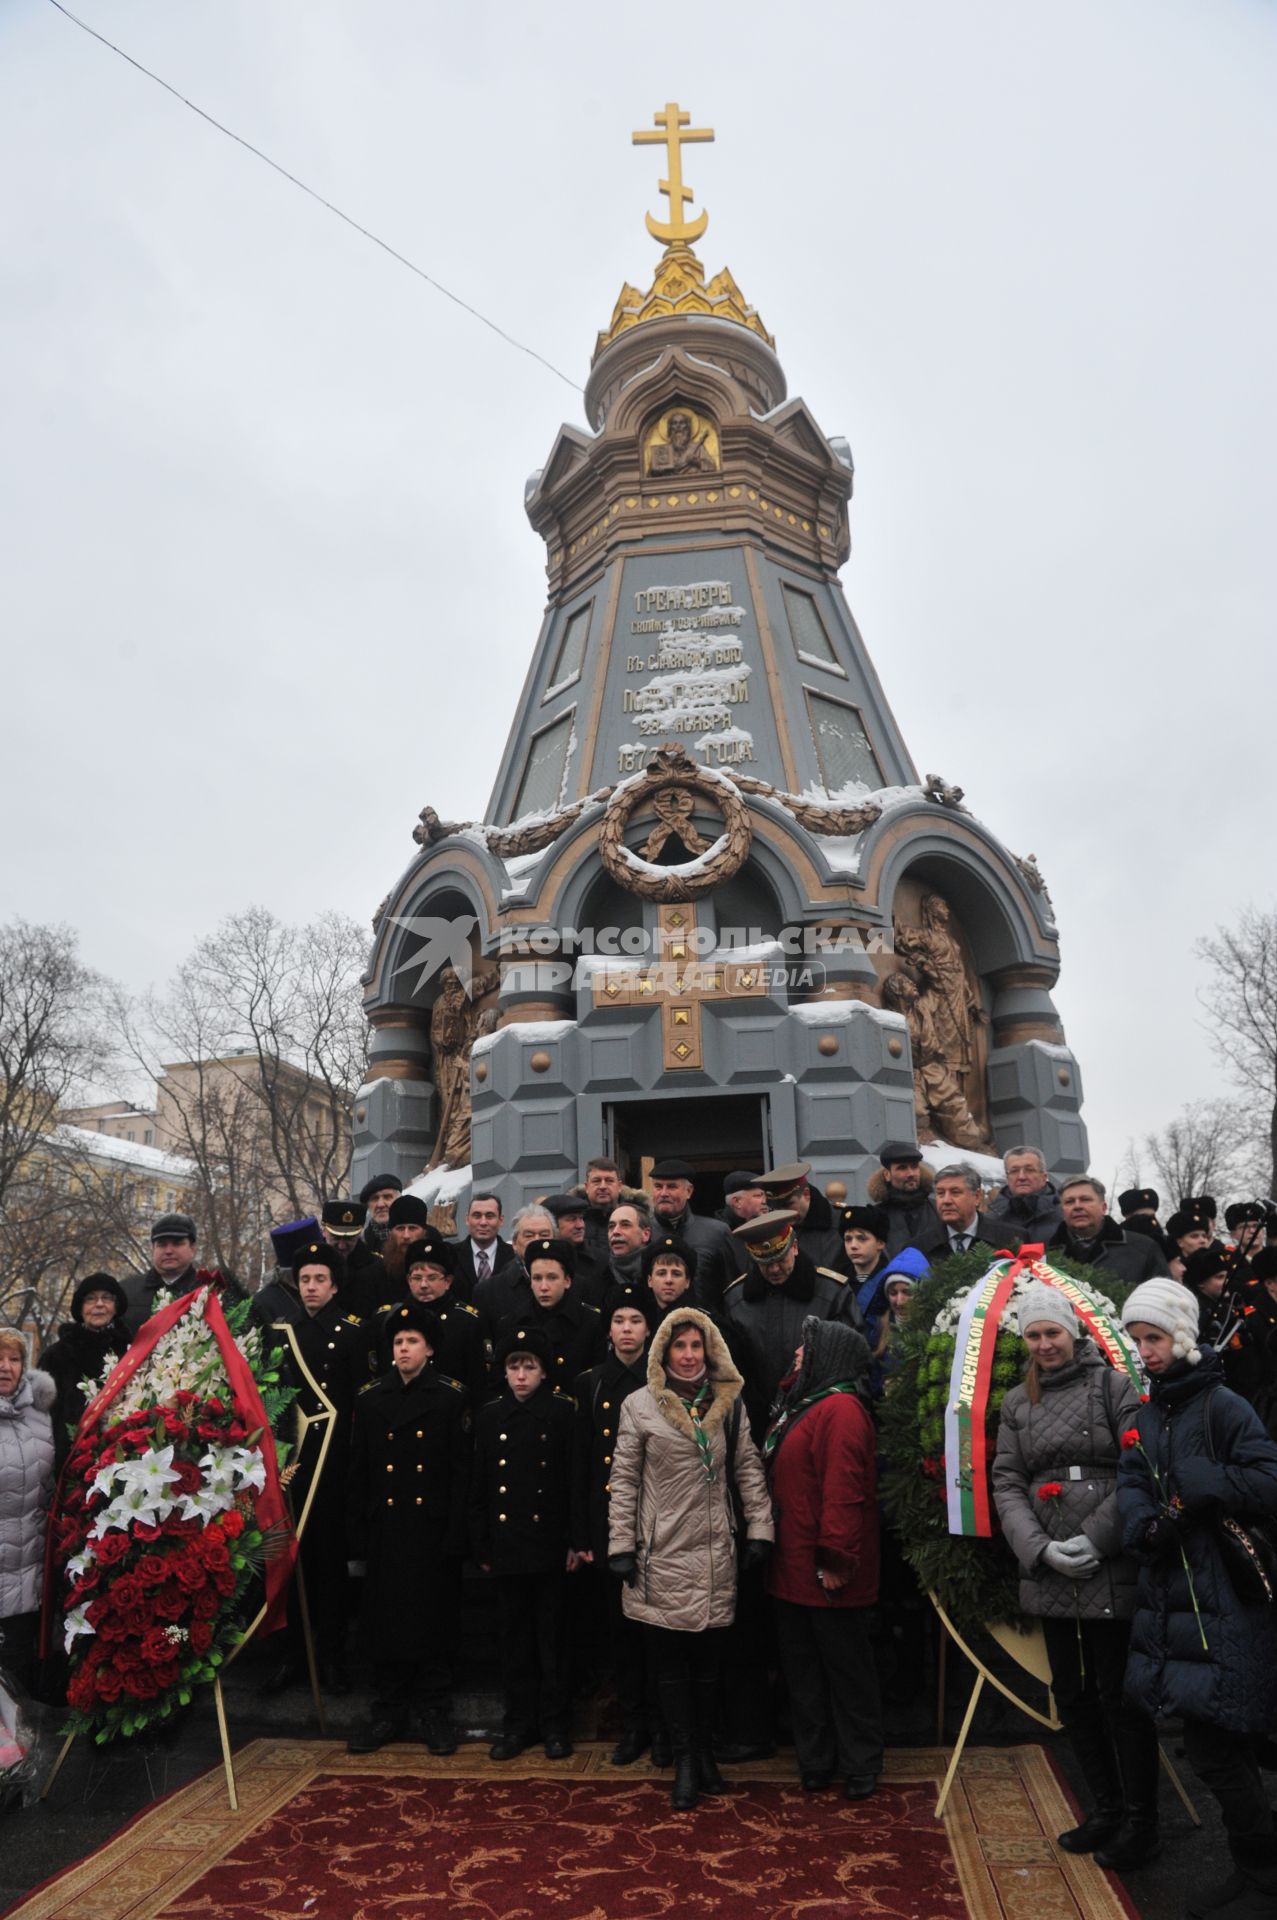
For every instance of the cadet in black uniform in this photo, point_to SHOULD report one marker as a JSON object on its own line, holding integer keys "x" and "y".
{"x": 459, "y": 1352}
{"x": 573, "y": 1328}
{"x": 520, "y": 1532}
{"x": 406, "y": 1519}
{"x": 361, "y": 1273}
{"x": 333, "y": 1350}
{"x": 600, "y": 1394}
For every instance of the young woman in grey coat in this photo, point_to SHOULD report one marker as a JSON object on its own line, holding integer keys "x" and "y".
{"x": 26, "y": 1478}
{"x": 1055, "y": 1486}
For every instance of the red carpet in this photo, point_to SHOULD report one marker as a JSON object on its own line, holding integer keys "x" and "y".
{"x": 399, "y": 1836}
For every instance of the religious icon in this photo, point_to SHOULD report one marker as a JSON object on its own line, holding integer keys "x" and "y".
{"x": 681, "y": 442}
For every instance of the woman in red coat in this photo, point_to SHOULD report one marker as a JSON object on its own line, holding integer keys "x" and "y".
{"x": 823, "y": 1573}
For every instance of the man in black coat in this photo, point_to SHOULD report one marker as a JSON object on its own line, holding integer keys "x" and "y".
{"x": 332, "y": 1351}
{"x": 903, "y": 1188}
{"x": 506, "y": 1292}
{"x": 777, "y": 1291}
{"x": 379, "y": 1195}
{"x": 592, "y": 1280}
{"x": 406, "y": 1520}
{"x": 171, "y": 1272}
{"x": 521, "y": 1533}
{"x": 790, "y": 1189}
{"x": 957, "y": 1195}
{"x": 600, "y": 1394}
{"x": 361, "y": 1273}
{"x": 709, "y": 1239}
{"x": 602, "y": 1189}
{"x": 573, "y": 1330}
{"x": 1028, "y": 1202}
{"x": 1088, "y": 1235}
{"x": 459, "y": 1351}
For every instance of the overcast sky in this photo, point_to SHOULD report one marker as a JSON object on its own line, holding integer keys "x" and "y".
{"x": 266, "y": 585}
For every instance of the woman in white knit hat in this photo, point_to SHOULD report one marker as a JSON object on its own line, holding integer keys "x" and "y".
{"x": 1055, "y": 1486}
{"x": 1195, "y": 1455}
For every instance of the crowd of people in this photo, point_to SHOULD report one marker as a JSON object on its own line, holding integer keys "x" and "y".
{"x": 638, "y": 1434}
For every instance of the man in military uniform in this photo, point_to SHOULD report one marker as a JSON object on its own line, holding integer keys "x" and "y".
{"x": 600, "y": 1393}
{"x": 406, "y": 1521}
{"x": 573, "y": 1329}
{"x": 332, "y": 1349}
{"x": 459, "y": 1349}
{"x": 789, "y": 1189}
{"x": 361, "y": 1274}
{"x": 521, "y": 1533}
{"x": 779, "y": 1288}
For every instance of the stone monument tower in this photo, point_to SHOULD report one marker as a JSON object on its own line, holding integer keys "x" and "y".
{"x": 712, "y": 911}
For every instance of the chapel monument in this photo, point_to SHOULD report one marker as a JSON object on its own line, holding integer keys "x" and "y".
{"x": 712, "y": 910}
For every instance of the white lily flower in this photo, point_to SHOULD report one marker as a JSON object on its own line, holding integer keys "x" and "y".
{"x": 153, "y": 1472}
{"x": 78, "y": 1567}
{"x": 74, "y": 1625}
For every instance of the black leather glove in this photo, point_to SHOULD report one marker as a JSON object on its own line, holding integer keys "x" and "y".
{"x": 756, "y": 1553}
{"x": 624, "y": 1566}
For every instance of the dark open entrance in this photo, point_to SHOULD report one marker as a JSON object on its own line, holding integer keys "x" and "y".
{"x": 714, "y": 1133}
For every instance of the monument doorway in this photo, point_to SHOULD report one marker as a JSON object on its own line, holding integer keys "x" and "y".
{"x": 714, "y": 1133}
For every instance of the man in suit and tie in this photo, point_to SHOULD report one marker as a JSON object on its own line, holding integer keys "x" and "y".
{"x": 483, "y": 1252}
{"x": 957, "y": 1198}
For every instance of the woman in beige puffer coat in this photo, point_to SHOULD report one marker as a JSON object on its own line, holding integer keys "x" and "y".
{"x": 682, "y": 1449}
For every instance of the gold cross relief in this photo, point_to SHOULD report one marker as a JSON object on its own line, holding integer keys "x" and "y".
{"x": 680, "y": 984}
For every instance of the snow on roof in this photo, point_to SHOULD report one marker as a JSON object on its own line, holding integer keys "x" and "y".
{"x": 104, "y": 1146}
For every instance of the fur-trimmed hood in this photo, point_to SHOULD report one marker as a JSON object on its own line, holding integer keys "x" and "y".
{"x": 35, "y": 1389}
{"x": 878, "y": 1192}
{"x": 725, "y": 1382}
{"x": 625, "y": 1198}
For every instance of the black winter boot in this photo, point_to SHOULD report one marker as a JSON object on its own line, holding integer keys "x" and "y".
{"x": 1137, "y": 1840}
{"x": 676, "y": 1711}
{"x": 1095, "y": 1756}
{"x": 1256, "y": 1898}
{"x": 708, "y": 1778}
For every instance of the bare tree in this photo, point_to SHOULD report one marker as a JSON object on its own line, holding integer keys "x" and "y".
{"x": 257, "y": 1047}
{"x": 1205, "y": 1149}
{"x": 1240, "y": 998}
{"x": 53, "y": 1044}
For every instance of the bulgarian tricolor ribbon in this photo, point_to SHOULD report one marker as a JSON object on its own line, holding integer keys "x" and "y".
{"x": 966, "y": 1413}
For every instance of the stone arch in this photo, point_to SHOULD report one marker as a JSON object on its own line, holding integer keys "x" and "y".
{"x": 442, "y": 888}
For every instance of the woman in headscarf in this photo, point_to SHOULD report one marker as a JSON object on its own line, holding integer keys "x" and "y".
{"x": 1055, "y": 1488}
{"x": 1202, "y": 1646}
{"x": 26, "y": 1478}
{"x": 95, "y": 1330}
{"x": 688, "y": 1505}
{"x": 823, "y": 1573}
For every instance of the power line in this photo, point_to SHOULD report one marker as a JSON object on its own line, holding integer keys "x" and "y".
{"x": 292, "y": 178}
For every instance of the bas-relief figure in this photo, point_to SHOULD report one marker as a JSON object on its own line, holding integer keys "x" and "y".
{"x": 941, "y": 1002}
{"x": 456, "y": 1022}
{"x": 681, "y": 442}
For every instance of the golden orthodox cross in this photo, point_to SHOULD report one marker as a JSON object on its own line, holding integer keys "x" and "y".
{"x": 680, "y": 985}
{"x": 674, "y": 132}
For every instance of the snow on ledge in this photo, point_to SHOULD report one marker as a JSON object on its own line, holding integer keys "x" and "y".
{"x": 440, "y": 1186}
{"x": 840, "y": 1013}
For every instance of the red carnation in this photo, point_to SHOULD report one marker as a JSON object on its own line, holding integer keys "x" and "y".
{"x": 1131, "y": 1438}
{"x": 233, "y": 1524}
{"x": 1050, "y": 1490}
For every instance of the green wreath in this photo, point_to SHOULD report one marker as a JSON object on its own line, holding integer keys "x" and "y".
{"x": 976, "y": 1581}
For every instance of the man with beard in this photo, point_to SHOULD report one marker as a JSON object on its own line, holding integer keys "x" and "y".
{"x": 709, "y": 1239}
{"x": 1089, "y": 1236}
{"x": 903, "y": 1187}
{"x": 378, "y": 1195}
{"x": 789, "y": 1189}
{"x": 408, "y": 1220}
{"x": 171, "y": 1272}
{"x": 361, "y": 1273}
{"x": 777, "y": 1291}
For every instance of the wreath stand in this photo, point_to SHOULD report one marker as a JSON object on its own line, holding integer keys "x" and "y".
{"x": 324, "y": 1420}
{"x": 1027, "y": 1647}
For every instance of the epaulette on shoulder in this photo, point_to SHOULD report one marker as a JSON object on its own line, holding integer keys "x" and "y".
{"x": 370, "y": 1384}
{"x": 568, "y": 1399}
{"x": 591, "y": 1308}
{"x": 446, "y": 1380}
{"x": 350, "y": 1320}
{"x": 738, "y": 1281}
{"x": 831, "y": 1274}
{"x": 463, "y": 1306}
